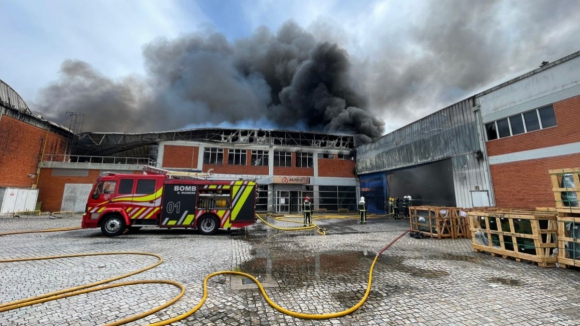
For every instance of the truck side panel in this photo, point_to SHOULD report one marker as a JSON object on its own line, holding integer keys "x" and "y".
{"x": 178, "y": 205}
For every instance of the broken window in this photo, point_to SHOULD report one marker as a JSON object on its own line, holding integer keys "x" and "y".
{"x": 491, "y": 131}
{"x": 259, "y": 158}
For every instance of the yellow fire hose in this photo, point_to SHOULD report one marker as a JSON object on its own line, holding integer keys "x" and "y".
{"x": 40, "y": 231}
{"x": 92, "y": 287}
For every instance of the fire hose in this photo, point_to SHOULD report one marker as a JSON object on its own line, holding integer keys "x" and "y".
{"x": 93, "y": 287}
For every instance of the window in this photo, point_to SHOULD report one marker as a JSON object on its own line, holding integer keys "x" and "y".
{"x": 259, "y": 158}
{"x": 344, "y": 156}
{"x": 262, "y": 199}
{"x": 145, "y": 187}
{"x": 304, "y": 160}
{"x": 537, "y": 119}
{"x": 503, "y": 128}
{"x": 323, "y": 155}
{"x": 126, "y": 186}
{"x": 213, "y": 156}
{"x": 237, "y": 156}
{"x": 532, "y": 121}
{"x": 491, "y": 131}
{"x": 335, "y": 197}
{"x": 282, "y": 159}
{"x": 547, "y": 116}
{"x": 517, "y": 124}
{"x": 109, "y": 187}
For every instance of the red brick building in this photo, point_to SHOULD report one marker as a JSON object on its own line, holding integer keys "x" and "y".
{"x": 23, "y": 138}
{"x": 532, "y": 126}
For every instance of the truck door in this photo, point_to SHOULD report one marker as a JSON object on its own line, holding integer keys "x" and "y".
{"x": 146, "y": 198}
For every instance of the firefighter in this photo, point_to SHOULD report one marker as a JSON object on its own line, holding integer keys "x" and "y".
{"x": 362, "y": 207}
{"x": 307, "y": 212}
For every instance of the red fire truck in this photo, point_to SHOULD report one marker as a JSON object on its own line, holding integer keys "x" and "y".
{"x": 169, "y": 199}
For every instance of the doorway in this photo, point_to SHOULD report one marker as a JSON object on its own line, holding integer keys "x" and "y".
{"x": 282, "y": 201}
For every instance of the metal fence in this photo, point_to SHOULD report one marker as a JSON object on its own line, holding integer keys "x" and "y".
{"x": 65, "y": 158}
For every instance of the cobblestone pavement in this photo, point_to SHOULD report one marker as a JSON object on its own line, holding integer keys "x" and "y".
{"x": 419, "y": 282}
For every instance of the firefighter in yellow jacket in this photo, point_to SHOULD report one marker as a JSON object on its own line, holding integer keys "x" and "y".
{"x": 362, "y": 207}
{"x": 307, "y": 212}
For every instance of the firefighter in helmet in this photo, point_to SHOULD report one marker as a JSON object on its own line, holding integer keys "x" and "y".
{"x": 362, "y": 207}
{"x": 307, "y": 212}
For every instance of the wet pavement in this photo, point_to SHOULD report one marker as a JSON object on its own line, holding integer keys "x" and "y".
{"x": 416, "y": 281}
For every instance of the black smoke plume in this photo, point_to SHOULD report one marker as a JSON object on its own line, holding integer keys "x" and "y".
{"x": 289, "y": 79}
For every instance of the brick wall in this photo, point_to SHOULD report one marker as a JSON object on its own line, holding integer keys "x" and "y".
{"x": 527, "y": 184}
{"x": 20, "y": 149}
{"x": 336, "y": 168}
{"x": 566, "y": 131}
{"x": 180, "y": 156}
{"x": 51, "y": 188}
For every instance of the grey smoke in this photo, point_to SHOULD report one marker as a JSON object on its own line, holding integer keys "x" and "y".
{"x": 455, "y": 48}
{"x": 288, "y": 78}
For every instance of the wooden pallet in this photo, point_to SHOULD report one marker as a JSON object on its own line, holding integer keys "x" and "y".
{"x": 436, "y": 224}
{"x": 522, "y": 235}
{"x": 568, "y": 243}
{"x": 460, "y": 222}
{"x": 559, "y": 189}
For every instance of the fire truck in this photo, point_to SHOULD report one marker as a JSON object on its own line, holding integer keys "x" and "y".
{"x": 169, "y": 199}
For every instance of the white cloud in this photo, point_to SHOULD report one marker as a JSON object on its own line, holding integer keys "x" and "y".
{"x": 109, "y": 35}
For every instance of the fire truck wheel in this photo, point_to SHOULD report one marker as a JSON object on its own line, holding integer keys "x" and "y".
{"x": 113, "y": 225}
{"x": 208, "y": 224}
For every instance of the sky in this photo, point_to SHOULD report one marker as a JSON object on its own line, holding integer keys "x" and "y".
{"x": 156, "y": 65}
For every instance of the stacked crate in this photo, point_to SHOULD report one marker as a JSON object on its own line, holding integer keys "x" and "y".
{"x": 438, "y": 222}
{"x": 566, "y": 189}
{"x": 522, "y": 235}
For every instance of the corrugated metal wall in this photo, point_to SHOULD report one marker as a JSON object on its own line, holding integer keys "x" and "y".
{"x": 448, "y": 133}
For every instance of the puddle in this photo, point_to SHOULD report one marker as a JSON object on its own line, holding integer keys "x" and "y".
{"x": 397, "y": 263}
{"x": 506, "y": 281}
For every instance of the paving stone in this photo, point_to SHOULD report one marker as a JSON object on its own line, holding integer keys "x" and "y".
{"x": 419, "y": 282}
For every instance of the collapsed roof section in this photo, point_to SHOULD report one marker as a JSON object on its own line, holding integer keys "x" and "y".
{"x": 143, "y": 144}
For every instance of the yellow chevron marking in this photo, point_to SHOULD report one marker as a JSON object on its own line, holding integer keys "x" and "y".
{"x": 236, "y": 188}
{"x": 151, "y": 213}
{"x": 226, "y": 187}
{"x": 172, "y": 222}
{"x": 221, "y": 213}
{"x": 188, "y": 219}
{"x": 129, "y": 209}
{"x": 212, "y": 186}
{"x": 241, "y": 202}
{"x": 138, "y": 213}
{"x": 101, "y": 209}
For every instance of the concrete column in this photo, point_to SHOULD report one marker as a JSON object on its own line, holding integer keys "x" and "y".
{"x": 271, "y": 162}
{"x": 160, "y": 153}
{"x": 315, "y": 163}
{"x": 316, "y": 195}
{"x": 200, "y": 158}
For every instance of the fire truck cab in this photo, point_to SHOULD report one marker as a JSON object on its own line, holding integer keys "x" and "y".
{"x": 163, "y": 199}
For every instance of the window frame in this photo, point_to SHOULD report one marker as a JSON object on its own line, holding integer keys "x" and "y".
{"x": 302, "y": 157}
{"x": 283, "y": 154}
{"x": 211, "y": 151}
{"x": 237, "y": 157}
{"x": 523, "y": 117}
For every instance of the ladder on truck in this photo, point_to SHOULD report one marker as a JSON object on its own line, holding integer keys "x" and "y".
{"x": 172, "y": 174}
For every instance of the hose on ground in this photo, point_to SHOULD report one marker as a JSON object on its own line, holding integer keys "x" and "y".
{"x": 319, "y": 230}
{"x": 41, "y": 231}
{"x": 92, "y": 288}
